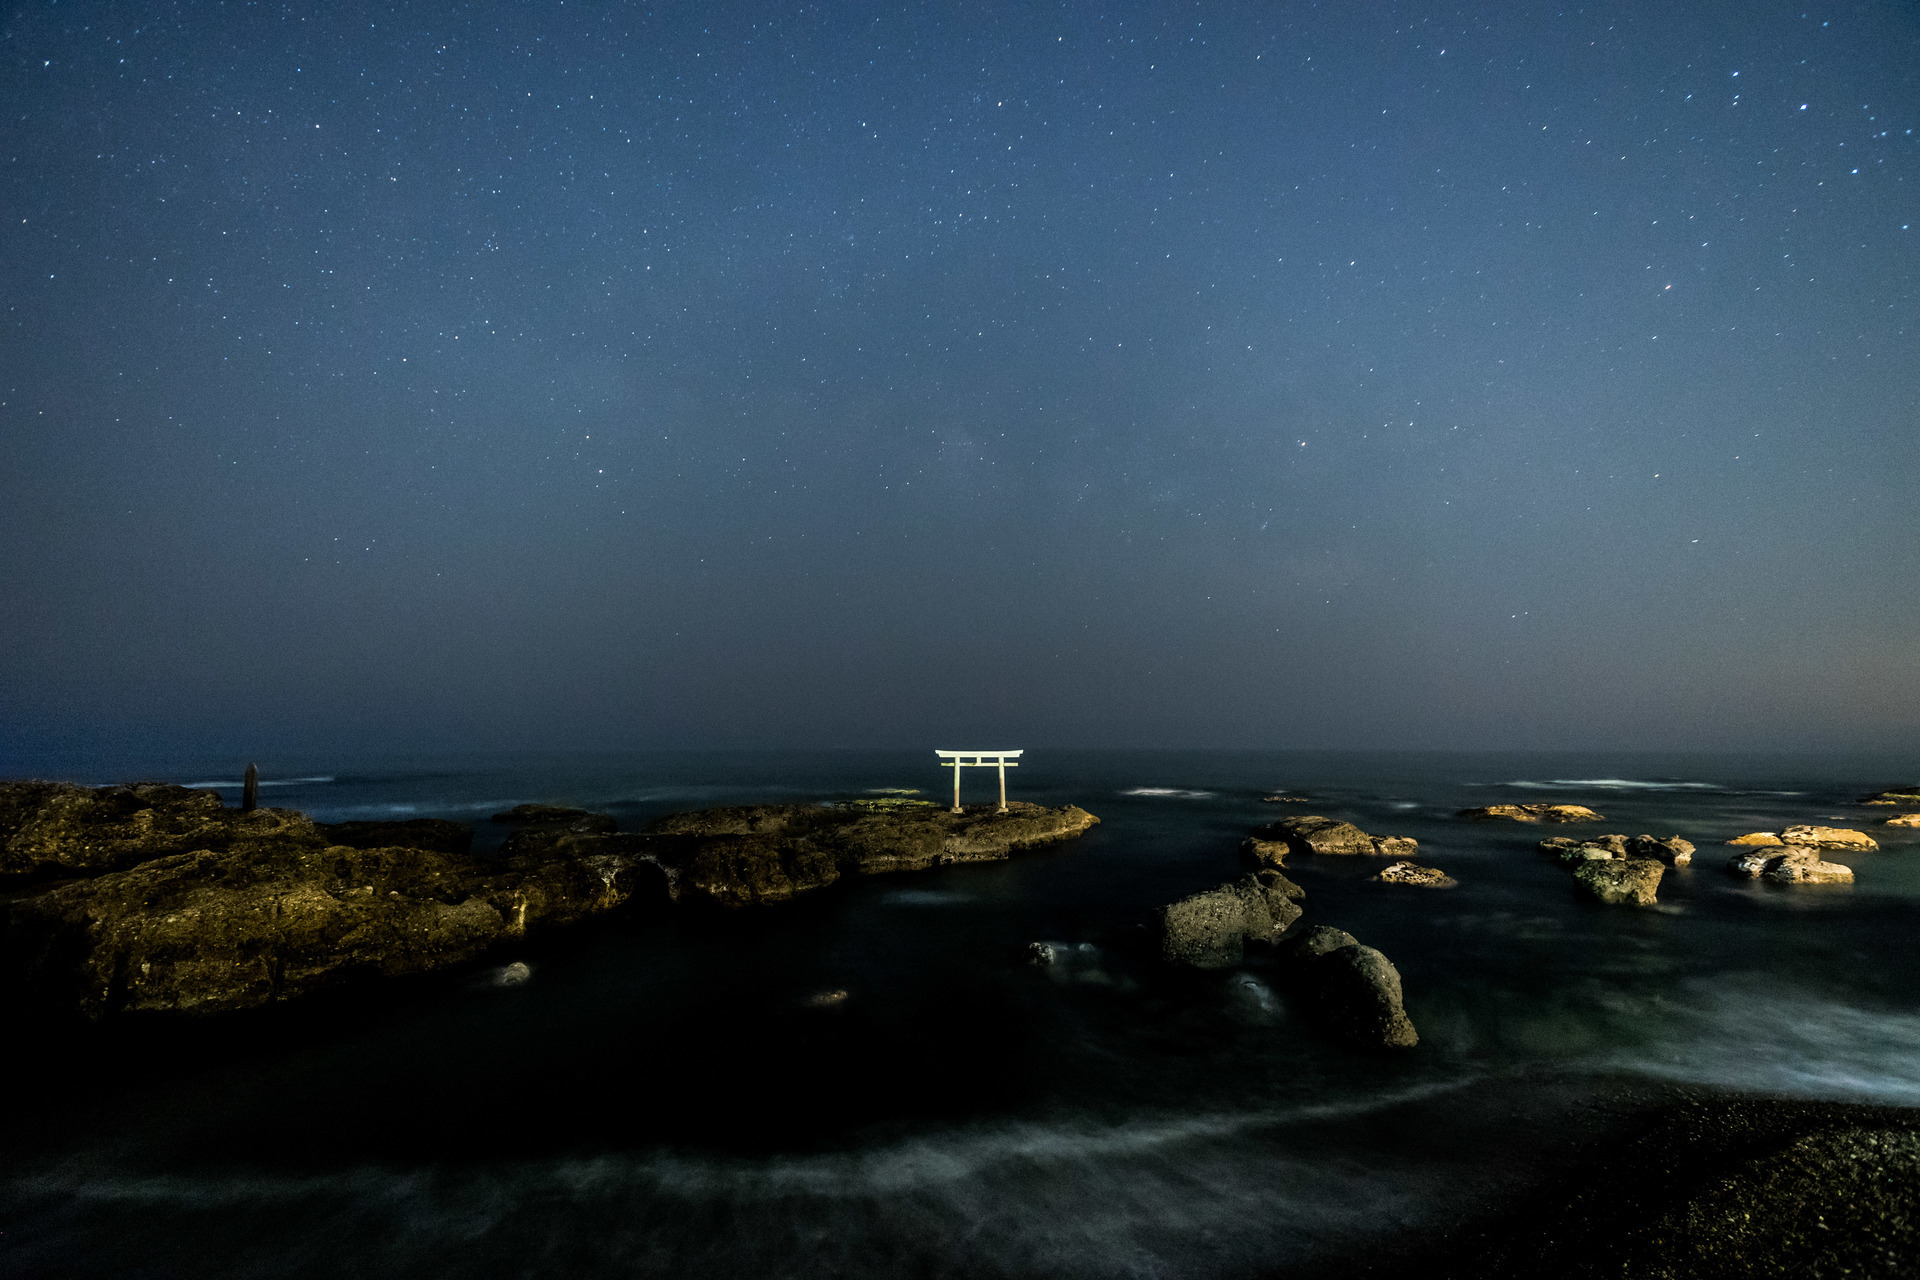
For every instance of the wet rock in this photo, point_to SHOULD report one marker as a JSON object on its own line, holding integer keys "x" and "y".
{"x": 1758, "y": 838}
{"x": 1673, "y": 851}
{"x": 1312, "y": 833}
{"x": 1350, "y": 989}
{"x": 415, "y": 833}
{"x": 1894, "y": 795}
{"x": 1828, "y": 838}
{"x": 1533, "y": 813}
{"x": 1790, "y": 864}
{"x": 1271, "y": 852}
{"x": 1210, "y": 930}
{"x": 1414, "y": 874}
{"x": 1905, "y": 820}
{"x": 769, "y": 853}
{"x": 1620, "y": 881}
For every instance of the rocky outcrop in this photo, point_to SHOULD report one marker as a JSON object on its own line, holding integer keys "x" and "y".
{"x": 1758, "y": 838}
{"x": 1905, "y": 820}
{"x": 1415, "y": 874}
{"x": 1211, "y": 930}
{"x": 1533, "y": 813}
{"x": 769, "y": 853}
{"x": 1312, "y": 833}
{"x": 264, "y": 906}
{"x": 1620, "y": 881}
{"x": 1789, "y": 864}
{"x": 1350, "y": 989}
{"x": 51, "y": 830}
{"x": 1828, "y": 838}
{"x": 1671, "y": 851}
{"x": 1894, "y": 795}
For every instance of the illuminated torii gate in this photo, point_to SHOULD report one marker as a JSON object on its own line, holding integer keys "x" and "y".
{"x": 958, "y": 760}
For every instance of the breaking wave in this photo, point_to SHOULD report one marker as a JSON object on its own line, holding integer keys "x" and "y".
{"x": 1168, "y": 793}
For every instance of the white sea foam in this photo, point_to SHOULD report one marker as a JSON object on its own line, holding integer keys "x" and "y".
{"x": 925, "y": 898}
{"x": 1171, "y": 793}
{"x": 1750, "y": 1033}
{"x": 264, "y": 783}
{"x": 1617, "y": 784}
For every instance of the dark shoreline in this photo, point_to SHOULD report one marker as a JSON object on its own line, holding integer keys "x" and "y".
{"x": 1682, "y": 1182}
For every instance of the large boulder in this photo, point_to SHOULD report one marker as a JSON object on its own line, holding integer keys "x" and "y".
{"x": 1532, "y": 813}
{"x": 1311, "y": 833}
{"x": 1210, "y": 930}
{"x": 1620, "y": 881}
{"x": 1758, "y": 839}
{"x": 1828, "y": 838}
{"x": 1351, "y": 989}
{"x": 1672, "y": 850}
{"x": 1789, "y": 864}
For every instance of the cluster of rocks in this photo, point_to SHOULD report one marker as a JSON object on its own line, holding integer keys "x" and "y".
{"x": 1618, "y": 869}
{"x": 154, "y": 898}
{"x": 1350, "y": 989}
{"x": 1532, "y": 813}
{"x": 1789, "y": 864}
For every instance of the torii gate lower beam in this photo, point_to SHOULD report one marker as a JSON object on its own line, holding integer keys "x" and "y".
{"x": 958, "y": 760}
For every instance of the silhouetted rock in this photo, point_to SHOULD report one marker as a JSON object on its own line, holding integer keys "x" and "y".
{"x": 1620, "y": 881}
{"x": 1533, "y": 813}
{"x": 415, "y": 833}
{"x": 554, "y": 815}
{"x": 1311, "y": 833}
{"x": 1210, "y": 930}
{"x": 1352, "y": 990}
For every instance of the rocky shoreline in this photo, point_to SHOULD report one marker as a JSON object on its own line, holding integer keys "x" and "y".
{"x": 158, "y": 899}
{"x": 1692, "y": 1184}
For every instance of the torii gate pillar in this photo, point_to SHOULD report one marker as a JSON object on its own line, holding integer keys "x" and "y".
{"x": 958, "y": 760}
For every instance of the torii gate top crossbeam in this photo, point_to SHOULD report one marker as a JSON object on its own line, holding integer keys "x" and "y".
{"x": 958, "y": 760}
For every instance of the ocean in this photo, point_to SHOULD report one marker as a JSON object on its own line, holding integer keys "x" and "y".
{"x": 670, "y": 1093}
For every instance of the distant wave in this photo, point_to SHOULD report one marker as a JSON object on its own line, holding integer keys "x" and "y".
{"x": 1174, "y": 793}
{"x": 264, "y": 784}
{"x": 1619, "y": 784}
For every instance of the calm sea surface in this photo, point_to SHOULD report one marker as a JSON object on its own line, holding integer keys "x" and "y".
{"x": 661, "y": 1097}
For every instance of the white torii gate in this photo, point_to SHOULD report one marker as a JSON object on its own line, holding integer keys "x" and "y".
{"x": 958, "y": 760}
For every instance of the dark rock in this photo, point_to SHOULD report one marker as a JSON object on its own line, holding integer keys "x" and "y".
{"x": 553, "y": 815}
{"x": 1351, "y": 989}
{"x": 1618, "y": 881}
{"x": 1312, "y": 833}
{"x": 1673, "y": 851}
{"x": 415, "y": 833}
{"x": 1533, "y": 813}
{"x": 1271, "y": 852}
{"x": 768, "y": 853}
{"x": 1210, "y": 930}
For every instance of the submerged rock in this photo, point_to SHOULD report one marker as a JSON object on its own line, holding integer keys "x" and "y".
{"x": 1210, "y": 930}
{"x": 1351, "y": 989}
{"x": 1620, "y": 881}
{"x": 1312, "y": 833}
{"x": 1790, "y": 864}
{"x": 1414, "y": 874}
{"x": 1828, "y": 838}
{"x": 1533, "y": 813}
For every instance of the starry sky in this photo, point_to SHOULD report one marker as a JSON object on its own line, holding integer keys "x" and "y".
{"x": 522, "y": 376}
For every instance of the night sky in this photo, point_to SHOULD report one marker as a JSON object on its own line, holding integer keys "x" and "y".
{"x": 545, "y": 376}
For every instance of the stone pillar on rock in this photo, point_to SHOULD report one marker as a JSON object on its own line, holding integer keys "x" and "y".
{"x": 250, "y": 790}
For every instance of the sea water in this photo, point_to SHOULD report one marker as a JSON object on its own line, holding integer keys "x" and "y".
{"x": 875, "y": 1080}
